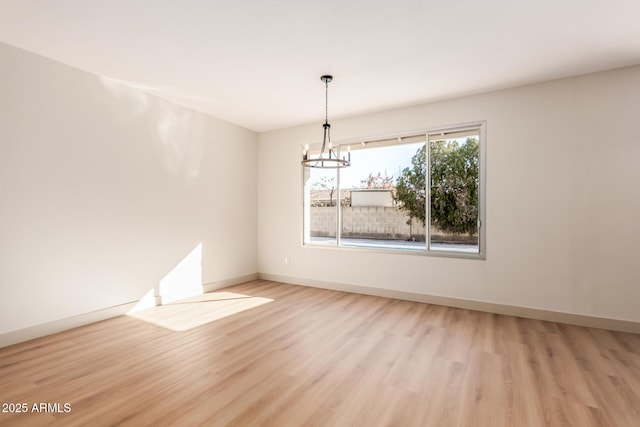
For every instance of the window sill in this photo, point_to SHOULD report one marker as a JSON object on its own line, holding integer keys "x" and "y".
{"x": 404, "y": 248}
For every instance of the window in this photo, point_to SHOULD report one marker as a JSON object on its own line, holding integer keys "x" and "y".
{"x": 420, "y": 193}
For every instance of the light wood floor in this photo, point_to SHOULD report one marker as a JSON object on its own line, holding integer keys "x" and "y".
{"x": 265, "y": 353}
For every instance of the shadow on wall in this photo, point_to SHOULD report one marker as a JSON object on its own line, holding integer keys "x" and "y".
{"x": 178, "y": 130}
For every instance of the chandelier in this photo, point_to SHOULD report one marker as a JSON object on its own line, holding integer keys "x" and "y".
{"x": 329, "y": 159}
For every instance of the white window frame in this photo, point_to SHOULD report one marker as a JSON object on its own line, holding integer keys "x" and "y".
{"x": 427, "y": 251}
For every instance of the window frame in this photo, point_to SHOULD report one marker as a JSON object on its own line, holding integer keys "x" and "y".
{"x": 426, "y": 250}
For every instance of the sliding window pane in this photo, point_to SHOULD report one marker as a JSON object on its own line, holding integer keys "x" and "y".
{"x": 454, "y": 192}
{"x": 372, "y": 216}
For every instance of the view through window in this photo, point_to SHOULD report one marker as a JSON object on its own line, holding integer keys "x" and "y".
{"x": 414, "y": 193}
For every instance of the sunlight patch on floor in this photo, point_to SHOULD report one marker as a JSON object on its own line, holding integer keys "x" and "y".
{"x": 198, "y": 310}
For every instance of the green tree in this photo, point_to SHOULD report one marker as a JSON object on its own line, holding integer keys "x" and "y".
{"x": 411, "y": 188}
{"x": 453, "y": 187}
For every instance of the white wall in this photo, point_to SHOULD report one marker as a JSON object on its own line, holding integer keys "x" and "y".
{"x": 563, "y": 200}
{"x": 104, "y": 190}
{"x": 371, "y": 198}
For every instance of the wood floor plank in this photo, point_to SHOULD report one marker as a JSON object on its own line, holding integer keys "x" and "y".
{"x": 523, "y": 391}
{"x": 441, "y": 394}
{"x": 484, "y": 392}
{"x": 270, "y": 354}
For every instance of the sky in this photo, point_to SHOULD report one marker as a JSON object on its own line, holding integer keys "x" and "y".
{"x": 386, "y": 160}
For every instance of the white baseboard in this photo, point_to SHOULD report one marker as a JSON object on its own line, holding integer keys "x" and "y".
{"x": 209, "y": 287}
{"x": 60, "y": 325}
{"x": 37, "y": 331}
{"x": 518, "y": 311}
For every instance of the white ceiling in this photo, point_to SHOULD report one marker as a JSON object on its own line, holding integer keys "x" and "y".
{"x": 257, "y": 63}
